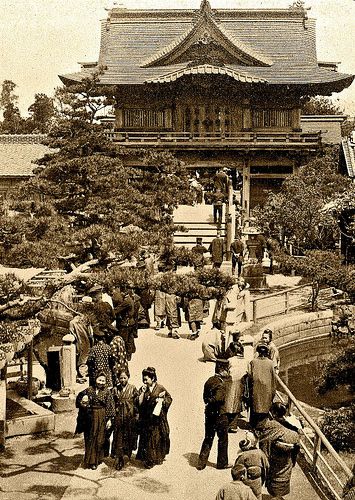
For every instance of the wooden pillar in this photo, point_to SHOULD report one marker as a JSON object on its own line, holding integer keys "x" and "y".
{"x": 247, "y": 119}
{"x": 119, "y": 118}
{"x": 246, "y": 191}
{"x": 296, "y": 119}
{"x": 30, "y": 370}
{"x": 2, "y": 408}
{"x": 230, "y": 222}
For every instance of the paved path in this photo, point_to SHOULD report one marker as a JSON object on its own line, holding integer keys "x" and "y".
{"x": 49, "y": 467}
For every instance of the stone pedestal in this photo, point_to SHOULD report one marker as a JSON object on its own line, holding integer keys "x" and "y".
{"x": 62, "y": 404}
{"x": 68, "y": 367}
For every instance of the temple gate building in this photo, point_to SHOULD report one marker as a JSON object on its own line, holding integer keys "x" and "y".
{"x": 216, "y": 87}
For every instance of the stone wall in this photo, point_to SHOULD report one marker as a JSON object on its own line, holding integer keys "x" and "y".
{"x": 297, "y": 327}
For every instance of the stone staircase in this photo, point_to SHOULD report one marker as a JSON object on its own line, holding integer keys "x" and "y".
{"x": 198, "y": 222}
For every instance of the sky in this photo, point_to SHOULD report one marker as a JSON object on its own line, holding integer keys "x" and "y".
{"x": 43, "y": 38}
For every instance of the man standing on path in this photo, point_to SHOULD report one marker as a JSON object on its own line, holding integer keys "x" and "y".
{"x": 197, "y": 252}
{"x": 237, "y": 251}
{"x": 216, "y": 420}
{"x": 237, "y": 489}
{"x": 218, "y": 200}
{"x": 217, "y": 250}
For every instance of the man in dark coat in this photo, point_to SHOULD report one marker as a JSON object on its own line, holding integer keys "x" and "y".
{"x": 216, "y": 420}
{"x": 197, "y": 252}
{"x": 221, "y": 181}
{"x": 217, "y": 250}
{"x": 124, "y": 309}
{"x": 237, "y": 251}
{"x": 218, "y": 200}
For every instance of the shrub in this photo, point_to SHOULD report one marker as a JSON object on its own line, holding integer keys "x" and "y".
{"x": 339, "y": 427}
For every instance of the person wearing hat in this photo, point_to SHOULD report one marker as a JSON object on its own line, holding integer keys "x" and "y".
{"x": 238, "y": 488}
{"x": 262, "y": 384}
{"x": 197, "y": 258}
{"x": 255, "y": 462}
{"x": 237, "y": 252}
{"x": 218, "y": 199}
{"x": 216, "y": 419}
{"x": 217, "y": 250}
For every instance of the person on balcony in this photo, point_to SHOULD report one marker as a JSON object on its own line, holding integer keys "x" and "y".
{"x": 217, "y": 250}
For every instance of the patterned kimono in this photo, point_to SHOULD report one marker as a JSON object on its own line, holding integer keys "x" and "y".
{"x": 281, "y": 446}
{"x": 125, "y": 427}
{"x": 92, "y": 421}
{"x": 99, "y": 361}
{"x": 119, "y": 357}
{"x": 154, "y": 442}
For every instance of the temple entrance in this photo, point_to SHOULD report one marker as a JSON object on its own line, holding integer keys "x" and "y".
{"x": 207, "y": 119}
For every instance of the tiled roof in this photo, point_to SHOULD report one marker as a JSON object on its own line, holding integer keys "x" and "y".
{"x": 16, "y": 159}
{"x": 285, "y": 37}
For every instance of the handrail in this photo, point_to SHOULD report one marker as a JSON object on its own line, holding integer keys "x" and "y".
{"x": 281, "y": 292}
{"x": 284, "y": 293}
{"x": 319, "y": 441}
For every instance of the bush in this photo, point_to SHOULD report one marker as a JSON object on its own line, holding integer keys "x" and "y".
{"x": 339, "y": 427}
{"x": 253, "y": 270}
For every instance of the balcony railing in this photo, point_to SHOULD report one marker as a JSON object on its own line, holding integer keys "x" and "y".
{"x": 238, "y": 138}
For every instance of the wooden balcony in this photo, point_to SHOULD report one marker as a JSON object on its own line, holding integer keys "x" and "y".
{"x": 238, "y": 140}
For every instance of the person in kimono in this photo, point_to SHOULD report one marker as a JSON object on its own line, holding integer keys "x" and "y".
{"x": 281, "y": 445}
{"x": 159, "y": 309}
{"x": 154, "y": 402}
{"x": 173, "y": 318}
{"x": 124, "y": 441}
{"x": 274, "y": 354}
{"x": 262, "y": 384}
{"x": 95, "y": 415}
{"x": 119, "y": 360}
{"x": 255, "y": 462}
{"x": 195, "y": 316}
{"x": 99, "y": 359}
{"x": 236, "y": 383}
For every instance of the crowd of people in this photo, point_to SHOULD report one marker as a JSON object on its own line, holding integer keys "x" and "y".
{"x": 269, "y": 452}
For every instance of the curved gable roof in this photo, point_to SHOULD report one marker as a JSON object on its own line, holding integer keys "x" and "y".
{"x": 206, "y": 31}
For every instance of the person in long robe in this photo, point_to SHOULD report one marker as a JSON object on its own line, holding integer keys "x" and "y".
{"x": 173, "y": 317}
{"x": 100, "y": 359}
{"x": 255, "y": 462}
{"x": 212, "y": 344}
{"x": 195, "y": 316}
{"x": 281, "y": 445}
{"x": 262, "y": 384}
{"x": 119, "y": 360}
{"x": 96, "y": 411}
{"x": 154, "y": 403}
{"x": 124, "y": 441}
{"x": 159, "y": 309}
{"x": 236, "y": 383}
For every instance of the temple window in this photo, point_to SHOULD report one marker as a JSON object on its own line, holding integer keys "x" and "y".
{"x": 148, "y": 119}
{"x": 272, "y": 118}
